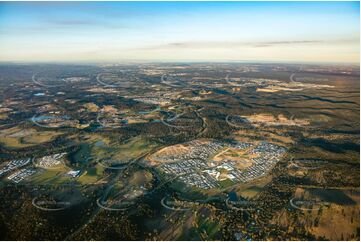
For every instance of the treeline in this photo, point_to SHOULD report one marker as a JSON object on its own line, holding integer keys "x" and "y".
{"x": 20, "y": 220}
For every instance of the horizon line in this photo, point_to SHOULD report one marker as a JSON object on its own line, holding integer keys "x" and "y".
{"x": 182, "y": 61}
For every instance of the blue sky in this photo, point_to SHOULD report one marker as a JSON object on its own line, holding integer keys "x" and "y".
{"x": 179, "y": 31}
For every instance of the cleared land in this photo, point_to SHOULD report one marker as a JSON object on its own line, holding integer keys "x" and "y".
{"x": 17, "y": 137}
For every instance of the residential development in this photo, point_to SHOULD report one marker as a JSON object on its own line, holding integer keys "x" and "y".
{"x": 194, "y": 165}
{"x": 21, "y": 175}
{"x": 11, "y": 165}
{"x": 50, "y": 160}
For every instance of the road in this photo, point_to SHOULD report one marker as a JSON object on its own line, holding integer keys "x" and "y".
{"x": 291, "y": 77}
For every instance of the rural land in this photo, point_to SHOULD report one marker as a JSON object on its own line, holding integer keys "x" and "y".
{"x": 179, "y": 151}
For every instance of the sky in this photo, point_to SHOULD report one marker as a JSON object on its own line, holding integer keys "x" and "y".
{"x": 180, "y": 31}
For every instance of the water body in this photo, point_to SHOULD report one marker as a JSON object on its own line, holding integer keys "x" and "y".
{"x": 99, "y": 143}
{"x": 45, "y": 117}
{"x": 233, "y": 196}
{"x": 148, "y": 112}
{"x": 39, "y": 94}
{"x": 144, "y": 112}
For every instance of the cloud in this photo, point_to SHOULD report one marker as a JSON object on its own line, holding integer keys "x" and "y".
{"x": 240, "y": 44}
{"x": 297, "y": 42}
{"x": 60, "y": 26}
{"x": 72, "y": 22}
{"x": 75, "y": 23}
